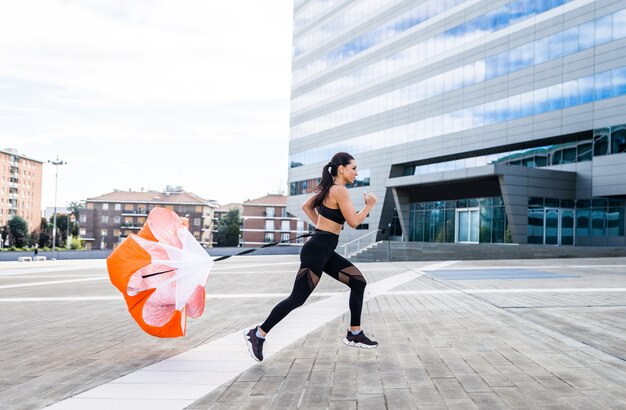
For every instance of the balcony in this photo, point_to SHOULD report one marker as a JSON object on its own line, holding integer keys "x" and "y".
{"x": 130, "y": 226}
{"x": 134, "y": 213}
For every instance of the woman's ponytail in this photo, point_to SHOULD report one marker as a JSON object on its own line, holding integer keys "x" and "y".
{"x": 329, "y": 172}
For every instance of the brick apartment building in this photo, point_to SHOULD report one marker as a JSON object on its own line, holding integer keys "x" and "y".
{"x": 109, "y": 218}
{"x": 20, "y": 188}
{"x": 266, "y": 220}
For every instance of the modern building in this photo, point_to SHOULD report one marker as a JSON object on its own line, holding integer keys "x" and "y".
{"x": 20, "y": 188}
{"x": 471, "y": 120}
{"x": 266, "y": 220}
{"x": 107, "y": 219}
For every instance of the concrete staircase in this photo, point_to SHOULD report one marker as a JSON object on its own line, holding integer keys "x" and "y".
{"x": 421, "y": 251}
{"x": 376, "y": 252}
{"x": 370, "y": 249}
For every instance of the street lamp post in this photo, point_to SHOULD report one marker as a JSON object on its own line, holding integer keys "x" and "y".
{"x": 67, "y": 237}
{"x": 54, "y": 223}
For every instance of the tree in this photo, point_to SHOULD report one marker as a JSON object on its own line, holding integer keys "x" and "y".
{"x": 18, "y": 231}
{"x": 4, "y": 234}
{"x": 228, "y": 229}
{"x": 45, "y": 234}
{"x": 74, "y": 207}
{"x": 62, "y": 229}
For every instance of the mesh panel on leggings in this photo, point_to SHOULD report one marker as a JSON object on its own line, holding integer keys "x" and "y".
{"x": 350, "y": 272}
{"x": 312, "y": 278}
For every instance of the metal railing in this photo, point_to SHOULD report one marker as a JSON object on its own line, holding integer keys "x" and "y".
{"x": 355, "y": 245}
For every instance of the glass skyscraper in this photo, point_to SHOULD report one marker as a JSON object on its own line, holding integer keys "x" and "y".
{"x": 471, "y": 120}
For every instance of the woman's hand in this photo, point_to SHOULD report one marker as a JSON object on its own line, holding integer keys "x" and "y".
{"x": 369, "y": 198}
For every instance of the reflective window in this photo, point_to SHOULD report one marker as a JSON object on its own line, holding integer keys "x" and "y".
{"x": 619, "y": 24}
{"x": 584, "y": 151}
{"x": 452, "y": 121}
{"x": 570, "y": 41}
{"x": 618, "y": 81}
{"x": 586, "y": 35}
{"x": 491, "y": 22}
{"x": 308, "y": 186}
{"x": 603, "y": 30}
{"x": 615, "y": 222}
{"x": 602, "y": 85}
{"x": 571, "y": 93}
{"x": 310, "y": 11}
{"x": 474, "y": 220}
{"x": 579, "y": 218}
{"x": 601, "y": 141}
{"x": 618, "y": 139}
{"x": 597, "y": 222}
{"x": 419, "y": 53}
{"x": 348, "y": 18}
{"x": 582, "y": 222}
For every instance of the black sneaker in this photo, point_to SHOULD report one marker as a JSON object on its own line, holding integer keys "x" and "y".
{"x": 255, "y": 344}
{"x": 359, "y": 340}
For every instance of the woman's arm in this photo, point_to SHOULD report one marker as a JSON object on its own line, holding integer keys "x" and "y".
{"x": 308, "y": 209}
{"x": 353, "y": 218}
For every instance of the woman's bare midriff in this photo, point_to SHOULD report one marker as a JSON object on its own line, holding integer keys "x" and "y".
{"x": 327, "y": 225}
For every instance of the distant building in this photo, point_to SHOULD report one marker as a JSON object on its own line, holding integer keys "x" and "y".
{"x": 224, "y": 209}
{"x": 20, "y": 188}
{"x": 49, "y": 212}
{"x": 266, "y": 220}
{"x": 109, "y": 218}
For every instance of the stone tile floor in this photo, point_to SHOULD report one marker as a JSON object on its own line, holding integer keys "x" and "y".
{"x": 556, "y": 340}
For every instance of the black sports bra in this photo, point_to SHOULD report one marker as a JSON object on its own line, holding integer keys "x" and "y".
{"x": 334, "y": 215}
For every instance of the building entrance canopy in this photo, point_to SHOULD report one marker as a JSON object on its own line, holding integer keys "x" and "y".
{"x": 513, "y": 184}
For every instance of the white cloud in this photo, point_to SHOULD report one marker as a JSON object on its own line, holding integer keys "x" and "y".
{"x": 148, "y": 93}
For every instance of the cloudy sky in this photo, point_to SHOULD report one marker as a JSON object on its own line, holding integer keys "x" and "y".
{"x": 147, "y": 93}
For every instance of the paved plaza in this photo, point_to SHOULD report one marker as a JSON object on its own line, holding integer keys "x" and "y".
{"x": 517, "y": 334}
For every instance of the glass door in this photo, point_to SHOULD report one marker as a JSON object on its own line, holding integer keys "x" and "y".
{"x": 552, "y": 226}
{"x": 567, "y": 226}
{"x": 467, "y": 225}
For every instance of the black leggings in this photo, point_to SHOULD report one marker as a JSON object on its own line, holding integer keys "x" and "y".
{"x": 318, "y": 255}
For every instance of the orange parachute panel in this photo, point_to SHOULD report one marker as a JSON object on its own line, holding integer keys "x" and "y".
{"x": 161, "y": 272}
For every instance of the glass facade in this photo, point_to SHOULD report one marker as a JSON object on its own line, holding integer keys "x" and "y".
{"x": 420, "y": 88}
{"x": 605, "y": 141}
{"x": 521, "y": 57}
{"x": 496, "y": 20}
{"x": 362, "y": 42}
{"x": 514, "y": 107}
{"x": 310, "y": 11}
{"x": 308, "y": 185}
{"x": 475, "y": 220}
{"x": 554, "y": 221}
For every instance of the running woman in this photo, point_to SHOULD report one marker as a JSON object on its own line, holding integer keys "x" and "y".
{"x": 328, "y": 209}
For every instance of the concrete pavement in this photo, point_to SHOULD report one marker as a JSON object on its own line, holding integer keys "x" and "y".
{"x": 475, "y": 334}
